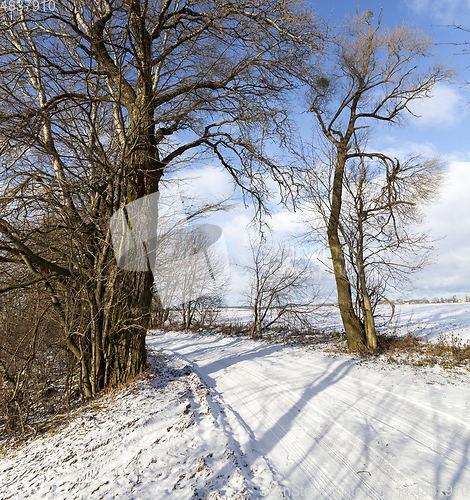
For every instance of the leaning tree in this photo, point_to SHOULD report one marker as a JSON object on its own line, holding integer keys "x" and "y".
{"x": 371, "y": 76}
{"x": 99, "y": 99}
{"x": 382, "y": 242}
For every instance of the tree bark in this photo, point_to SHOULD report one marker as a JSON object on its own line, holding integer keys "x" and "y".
{"x": 125, "y": 355}
{"x": 353, "y": 327}
{"x": 125, "y": 350}
{"x": 367, "y": 313}
{"x": 369, "y": 323}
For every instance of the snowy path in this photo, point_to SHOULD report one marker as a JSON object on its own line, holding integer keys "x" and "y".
{"x": 333, "y": 429}
{"x": 160, "y": 438}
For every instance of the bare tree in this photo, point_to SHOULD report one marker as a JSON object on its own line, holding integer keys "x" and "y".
{"x": 98, "y": 101}
{"x": 191, "y": 266}
{"x": 209, "y": 308}
{"x": 281, "y": 286}
{"x": 371, "y": 78}
{"x": 379, "y": 223}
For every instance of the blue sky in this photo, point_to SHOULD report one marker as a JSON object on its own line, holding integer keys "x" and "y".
{"x": 443, "y": 129}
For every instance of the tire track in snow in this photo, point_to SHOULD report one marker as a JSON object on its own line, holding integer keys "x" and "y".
{"x": 383, "y": 471}
{"x": 317, "y": 477}
{"x": 406, "y": 417}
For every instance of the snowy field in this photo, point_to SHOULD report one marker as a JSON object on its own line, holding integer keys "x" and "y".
{"x": 431, "y": 320}
{"x": 424, "y": 320}
{"x": 233, "y": 418}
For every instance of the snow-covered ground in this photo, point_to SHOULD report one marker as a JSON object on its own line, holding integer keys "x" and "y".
{"x": 236, "y": 418}
{"x": 166, "y": 437}
{"x": 432, "y": 320}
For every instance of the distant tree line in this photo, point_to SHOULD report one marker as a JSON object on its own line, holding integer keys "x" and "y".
{"x": 435, "y": 300}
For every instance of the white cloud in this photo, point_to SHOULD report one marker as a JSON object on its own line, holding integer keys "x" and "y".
{"x": 396, "y": 147}
{"x": 449, "y": 219}
{"x": 205, "y": 182}
{"x": 446, "y": 107}
{"x": 445, "y": 11}
{"x": 451, "y": 212}
{"x": 285, "y": 222}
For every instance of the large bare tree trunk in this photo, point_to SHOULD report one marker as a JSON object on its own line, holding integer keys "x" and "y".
{"x": 125, "y": 346}
{"x": 125, "y": 354}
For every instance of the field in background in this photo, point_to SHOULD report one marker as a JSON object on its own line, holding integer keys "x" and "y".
{"x": 422, "y": 320}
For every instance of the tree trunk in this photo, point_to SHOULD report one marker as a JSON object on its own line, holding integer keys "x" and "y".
{"x": 125, "y": 354}
{"x": 161, "y": 313}
{"x": 369, "y": 322}
{"x": 353, "y": 327}
{"x": 255, "y": 330}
